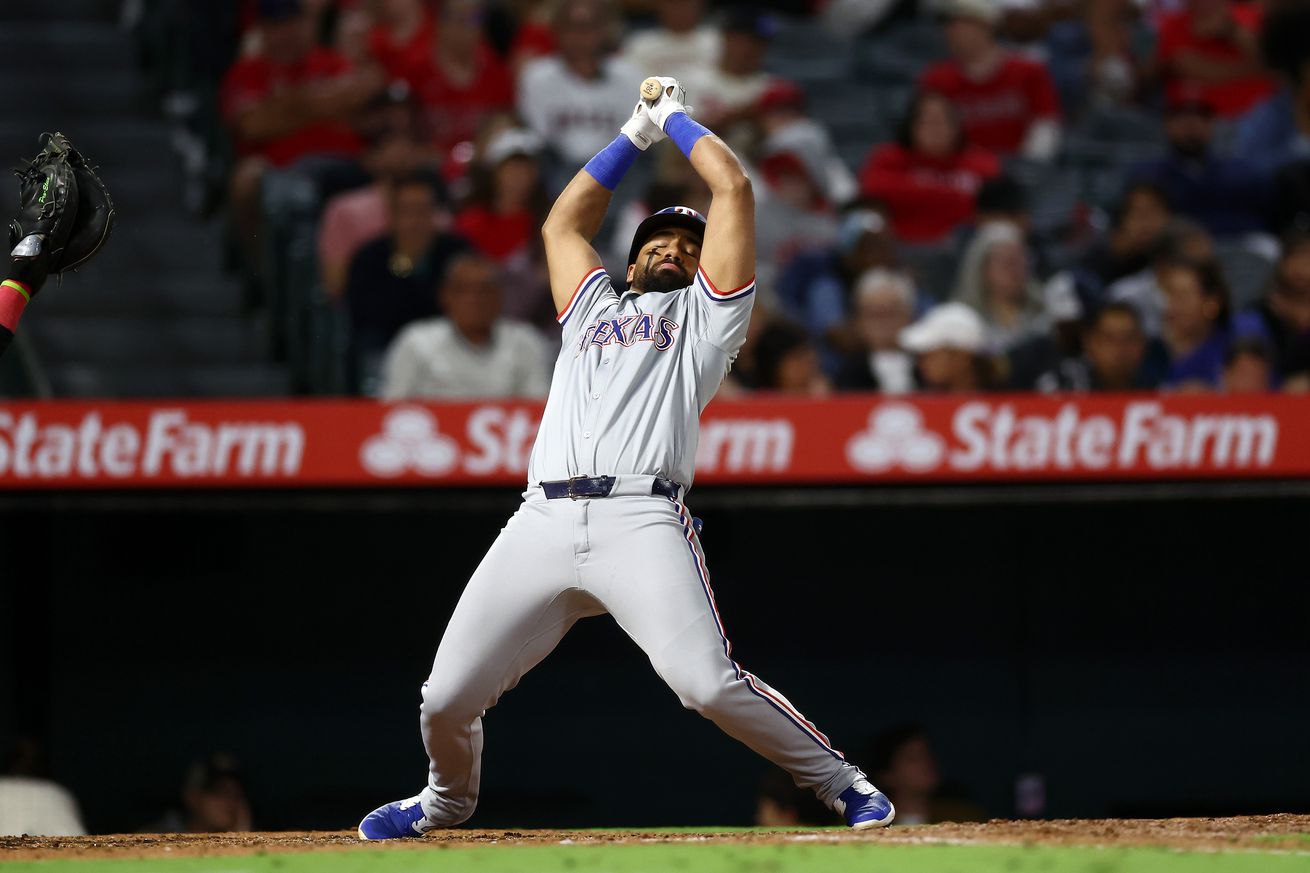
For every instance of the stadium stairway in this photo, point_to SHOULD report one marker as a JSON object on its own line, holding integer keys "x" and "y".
{"x": 154, "y": 315}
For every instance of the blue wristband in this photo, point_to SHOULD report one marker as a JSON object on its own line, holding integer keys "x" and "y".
{"x": 613, "y": 161}
{"x": 684, "y": 132}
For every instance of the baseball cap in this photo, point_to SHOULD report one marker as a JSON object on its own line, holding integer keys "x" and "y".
{"x": 948, "y": 326}
{"x": 510, "y": 142}
{"x": 674, "y": 216}
{"x": 986, "y": 11}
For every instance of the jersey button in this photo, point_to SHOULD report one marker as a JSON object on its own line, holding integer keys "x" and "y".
{"x": 586, "y": 434}
{"x": 595, "y": 397}
{"x": 604, "y": 360}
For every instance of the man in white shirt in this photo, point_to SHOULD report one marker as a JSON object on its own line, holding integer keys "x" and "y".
{"x": 576, "y": 98}
{"x": 471, "y": 351}
{"x": 728, "y": 90}
{"x": 681, "y": 46}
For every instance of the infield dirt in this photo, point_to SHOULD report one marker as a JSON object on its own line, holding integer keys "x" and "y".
{"x": 1267, "y": 832}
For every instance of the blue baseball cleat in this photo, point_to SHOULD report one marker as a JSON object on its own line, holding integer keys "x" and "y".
{"x": 865, "y": 806}
{"x": 401, "y": 818}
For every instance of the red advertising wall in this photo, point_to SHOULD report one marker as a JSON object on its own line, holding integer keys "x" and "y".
{"x": 853, "y": 438}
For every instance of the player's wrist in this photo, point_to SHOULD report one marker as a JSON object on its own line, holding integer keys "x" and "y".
{"x": 684, "y": 131}
{"x": 641, "y": 129}
{"x": 612, "y": 163}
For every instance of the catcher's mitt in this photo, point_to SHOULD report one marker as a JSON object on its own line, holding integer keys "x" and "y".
{"x": 65, "y": 213}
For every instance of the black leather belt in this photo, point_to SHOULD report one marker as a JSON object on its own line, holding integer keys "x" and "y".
{"x": 601, "y": 486}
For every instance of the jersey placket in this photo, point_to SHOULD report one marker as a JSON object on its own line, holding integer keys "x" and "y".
{"x": 599, "y": 390}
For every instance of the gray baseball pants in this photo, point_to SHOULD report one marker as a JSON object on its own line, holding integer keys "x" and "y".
{"x": 636, "y": 557}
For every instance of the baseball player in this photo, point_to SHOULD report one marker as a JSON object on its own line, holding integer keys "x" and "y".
{"x": 603, "y": 527}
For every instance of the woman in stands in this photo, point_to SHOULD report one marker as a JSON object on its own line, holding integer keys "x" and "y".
{"x": 930, "y": 175}
{"x": 996, "y": 280}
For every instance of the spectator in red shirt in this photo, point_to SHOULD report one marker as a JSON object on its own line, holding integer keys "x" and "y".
{"x": 401, "y": 41}
{"x": 463, "y": 83}
{"x": 290, "y": 101}
{"x": 1212, "y": 47}
{"x": 928, "y": 179}
{"x": 502, "y": 219}
{"x": 1007, "y": 102}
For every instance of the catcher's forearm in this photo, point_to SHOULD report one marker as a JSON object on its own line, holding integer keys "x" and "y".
{"x": 14, "y": 297}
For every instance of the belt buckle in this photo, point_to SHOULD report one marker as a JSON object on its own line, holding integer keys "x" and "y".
{"x": 572, "y": 479}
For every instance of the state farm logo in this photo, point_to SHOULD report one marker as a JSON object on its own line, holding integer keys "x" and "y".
{"x": 409, "y": 441}
{"x": 985, "y": 436}
{"x": 166, "y": 444}
{"x": 493, "y": 440}
{"x": 896, "y": 436}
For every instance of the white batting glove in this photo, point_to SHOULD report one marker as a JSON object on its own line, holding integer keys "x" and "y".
{"x": 640, "y": 129}
{"x": 672, "y": 99}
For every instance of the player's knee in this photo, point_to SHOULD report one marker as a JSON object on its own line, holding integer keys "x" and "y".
{"x": 444, "y": 702}
{"x": 705, "y": 694}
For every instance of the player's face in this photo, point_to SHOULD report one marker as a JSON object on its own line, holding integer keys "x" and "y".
{"x": 666, "y": 262}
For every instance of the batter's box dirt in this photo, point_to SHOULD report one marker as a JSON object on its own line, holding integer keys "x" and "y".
{"x": 1267, "y": 833}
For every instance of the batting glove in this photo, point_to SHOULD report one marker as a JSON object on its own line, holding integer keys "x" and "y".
{"x": 672, "y": 99}
{"x": 641, "y": 129}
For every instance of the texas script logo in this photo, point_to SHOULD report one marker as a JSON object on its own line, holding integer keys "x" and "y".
{"x": 629, "y": 329}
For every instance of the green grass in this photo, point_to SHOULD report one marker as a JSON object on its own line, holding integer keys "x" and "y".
{"x": 717, "y": 858}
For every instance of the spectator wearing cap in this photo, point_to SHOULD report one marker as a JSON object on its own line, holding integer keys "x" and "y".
{"x": 883, "y": 307}
{"x": 1211, "y": 47}
{"x": 948, "y": 344}
{"x": 462, "y": 83}
{"x": 508, "y": 202}
{"x": 1284, "y": 313}
{"x": 785, "y": 127}
{"x": 728, "y": 92}
{"x": 391, "y": 279}
{"x": 577, "y": 97}
{"x": 1248, "y": 367}
{"x": 213, "y": 800}
{"x": 995, "y": 279}
{"x": 682, "y": 44}
{"x": 502, "y": 219}
{"x": 930, "y": 176}
{"x": 1093, "y": 55}
{"x": 1114, "y": 356}
{"x": 471, "y": 351}
{"x": 787, "y": 361}
{"x": 290, "y": 101}
{"x": 1225, "y": 195}
{"x": 815, "y": 288}
{"x": 1007, "y": 103}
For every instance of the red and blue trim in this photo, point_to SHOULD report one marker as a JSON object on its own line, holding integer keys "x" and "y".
{"x": 774, "y": 699}
{"x": 715, "y": 294}
{"x": 580, "y": 293}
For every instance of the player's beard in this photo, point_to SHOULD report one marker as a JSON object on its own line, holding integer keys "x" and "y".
{"x": 649, "y": 278}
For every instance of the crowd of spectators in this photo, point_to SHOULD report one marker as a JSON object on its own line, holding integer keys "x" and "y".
{"x": 437, "y": 132}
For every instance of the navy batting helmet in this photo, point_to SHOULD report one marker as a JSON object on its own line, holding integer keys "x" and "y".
{"x": 675, "y": 216}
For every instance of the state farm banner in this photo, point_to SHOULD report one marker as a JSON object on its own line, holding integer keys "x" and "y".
{"x": 852, "y": 438}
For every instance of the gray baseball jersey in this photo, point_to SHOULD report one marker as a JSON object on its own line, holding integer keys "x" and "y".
{"x": 633, "y": 375}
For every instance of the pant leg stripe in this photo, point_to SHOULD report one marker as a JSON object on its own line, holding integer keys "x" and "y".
{"x": 773, "y": 700}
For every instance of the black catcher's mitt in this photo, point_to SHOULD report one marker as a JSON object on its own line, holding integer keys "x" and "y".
{"x": 65, "y": 213}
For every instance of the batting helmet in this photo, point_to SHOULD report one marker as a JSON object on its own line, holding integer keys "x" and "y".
{"x": 675, "y": 216}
